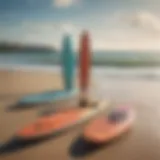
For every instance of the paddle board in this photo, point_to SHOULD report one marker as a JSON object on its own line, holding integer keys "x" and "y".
{"x": 59, "y": 122}
{"x": 106, "y": 128}
{"x": 68, "y": 69}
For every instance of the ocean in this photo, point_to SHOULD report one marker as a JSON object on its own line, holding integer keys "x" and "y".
{"x": 114, "y": 64}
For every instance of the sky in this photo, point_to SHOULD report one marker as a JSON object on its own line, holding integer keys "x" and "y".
{"x": 112, "y": 24}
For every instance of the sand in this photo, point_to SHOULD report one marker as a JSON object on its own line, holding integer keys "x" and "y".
{"x": 142, "y": 142}
{"x": 25, "y": 82}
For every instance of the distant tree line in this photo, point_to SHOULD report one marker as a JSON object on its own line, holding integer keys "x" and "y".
{"x": 15, "y": 47}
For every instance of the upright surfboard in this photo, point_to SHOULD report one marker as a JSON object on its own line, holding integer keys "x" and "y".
{"x": 68, "y": 63}
{"x": 84, "y": 64}
{"x": 68, "y": 67}
{"x": 60, "y": 121}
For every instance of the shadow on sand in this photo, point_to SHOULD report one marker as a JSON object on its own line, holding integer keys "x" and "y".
{"x": 81, "y": 148}
{"x": 23, "y": 107}
{"x": 15, "y": 144}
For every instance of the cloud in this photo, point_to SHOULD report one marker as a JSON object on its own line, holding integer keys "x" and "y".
{"x": 128, "y": 31}
{"x": 48, "y": 33}
{"x": 139, "y": 44}
{"x": 144, "y": 21}
{"x": 64, "y": 3}
{"x": 68, "y": 28}
{"x": 124, "y": 30}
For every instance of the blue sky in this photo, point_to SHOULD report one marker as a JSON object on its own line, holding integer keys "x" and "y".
{"x": 113, "y": 24}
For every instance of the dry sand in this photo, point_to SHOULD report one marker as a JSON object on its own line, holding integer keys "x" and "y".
{"x": 142, "y": 143}
{"x": 24, "y": 82}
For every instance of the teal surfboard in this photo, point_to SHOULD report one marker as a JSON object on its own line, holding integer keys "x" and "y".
{"x": 47, "y": 97}
{"x": 68, "y": 72}
{"x": 68, "y": 63}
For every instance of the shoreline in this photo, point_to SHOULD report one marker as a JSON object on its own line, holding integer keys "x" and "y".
{"x": 34, "y": 79}
{"x": 30, "y": 68}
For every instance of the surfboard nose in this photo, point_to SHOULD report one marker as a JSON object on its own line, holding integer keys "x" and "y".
{"x": 85, "y": 44}
{"x": 66, "y": 44}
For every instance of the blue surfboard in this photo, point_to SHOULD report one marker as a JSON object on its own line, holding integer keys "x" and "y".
{"x": 68, "y": 72}
{"x": 68, "y": 63}
{"x": 47, "y": 97}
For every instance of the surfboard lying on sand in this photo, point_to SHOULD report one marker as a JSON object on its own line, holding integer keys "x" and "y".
{"x": 106, "y": 128}
{"x": 59, "y": 122}
{"x": 68, "y": 73}
{"x": 48, "y": 97}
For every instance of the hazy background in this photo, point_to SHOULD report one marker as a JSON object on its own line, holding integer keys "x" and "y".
{"x": 124, "y": 33}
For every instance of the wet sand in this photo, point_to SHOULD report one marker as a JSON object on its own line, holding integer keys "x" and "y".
{"x": 142, "y": 142}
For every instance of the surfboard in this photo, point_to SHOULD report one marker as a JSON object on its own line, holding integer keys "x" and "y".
{"x": 85, "y": 61}
{"x": 48, "y": 97}
{"x": 106, "y": 128}
{"x": 84, "y": 67}
{"x": 68, "y": 73}
{"x": 60, "y": 122}
{"x": 68, "y": 63}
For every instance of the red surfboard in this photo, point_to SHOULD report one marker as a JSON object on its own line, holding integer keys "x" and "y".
{"x": 84, "y": 60}
{"x": 62, "y": 120}
{"x": 84, "y": 66}
{"x": 106, "y": 128}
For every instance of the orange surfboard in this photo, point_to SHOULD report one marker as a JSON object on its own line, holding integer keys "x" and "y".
{"x": 59, "y": 122}
{"x": 106, "y": 128}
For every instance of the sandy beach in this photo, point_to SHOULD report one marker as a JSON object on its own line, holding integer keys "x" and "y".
{"x": 25, "y": 82}
{"x": 143, "y": 142}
